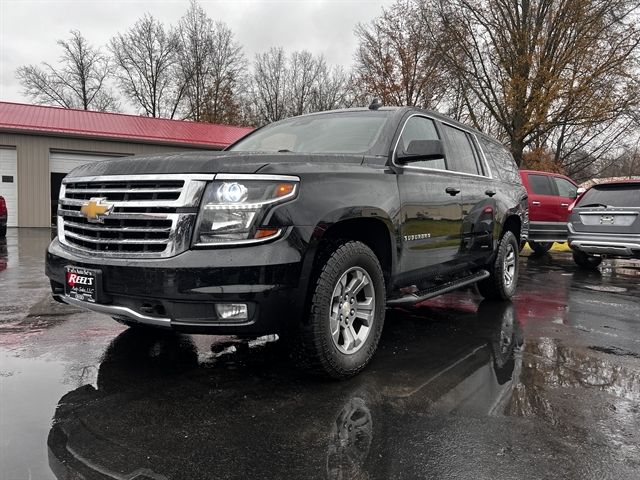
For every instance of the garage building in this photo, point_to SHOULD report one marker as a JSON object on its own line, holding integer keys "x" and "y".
{"x": 39, "y": 145}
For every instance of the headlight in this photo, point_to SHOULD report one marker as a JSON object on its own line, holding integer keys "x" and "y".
{"x": 232, "y": 210}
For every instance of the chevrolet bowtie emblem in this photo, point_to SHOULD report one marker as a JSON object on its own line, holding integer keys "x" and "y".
{"x": 95, "y": 209}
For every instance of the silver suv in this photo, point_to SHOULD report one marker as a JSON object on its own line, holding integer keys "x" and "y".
{"x": 605, "y": 222}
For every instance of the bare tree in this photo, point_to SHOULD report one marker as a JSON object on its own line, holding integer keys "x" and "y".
{"x": 269, "y": 86}
{"x": 146, "y": 59}
{"x": 211, "y": 66}
{"x": 540, "y": 68}
{"x": 80, "y": 80}
{"x": 300, "y": 83}
{"x": 304, "y": 73}
{"x": 334, "y": 89}
{"x": 395, "y": 60}
{"x": 227, "y": 66}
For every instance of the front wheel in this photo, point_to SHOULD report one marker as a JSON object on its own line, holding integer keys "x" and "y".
{"x": 503, "y": 271}
{"x": 346, "y": 313}
{"x": 586, "y": 261}
{"x": 540, "y": 248}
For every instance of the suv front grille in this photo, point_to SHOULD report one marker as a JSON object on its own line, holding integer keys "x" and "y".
{"x": 148, "y": 216}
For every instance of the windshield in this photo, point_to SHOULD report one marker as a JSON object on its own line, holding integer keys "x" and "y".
{"x": 626, "y": 195}
{"x": 353, "y": 132}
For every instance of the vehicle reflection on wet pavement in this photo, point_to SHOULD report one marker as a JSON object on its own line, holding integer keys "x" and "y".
{"x": 545, "y": 387}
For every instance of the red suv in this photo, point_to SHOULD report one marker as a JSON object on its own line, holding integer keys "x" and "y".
{"x": 550, "y": 195}
{"x": 3, "y": 217}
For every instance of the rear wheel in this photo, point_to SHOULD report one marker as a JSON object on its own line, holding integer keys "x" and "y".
{"x": 584, "y": 260}
{"x": 503, "y": 278}
{"x": 540, "y": 248}
{"x": 346, "y": 313}
{"x": 3, "y": 231}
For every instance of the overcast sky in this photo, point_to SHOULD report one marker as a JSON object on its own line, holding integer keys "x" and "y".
{"x": 29, "y": 28}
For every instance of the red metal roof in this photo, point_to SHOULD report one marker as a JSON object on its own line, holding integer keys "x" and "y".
{"x": 115, "y": 126}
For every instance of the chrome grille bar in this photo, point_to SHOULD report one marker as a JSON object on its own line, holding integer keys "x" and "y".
{"x": 115, "y": 241}
{"x": 102, "y": 228}
{"x": 98, "y": 191}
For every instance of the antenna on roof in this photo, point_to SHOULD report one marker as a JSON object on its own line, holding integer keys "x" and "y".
{"x": 375, "y": 104}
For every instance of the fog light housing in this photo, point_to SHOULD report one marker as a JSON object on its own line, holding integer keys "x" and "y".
{"x": 232, "y": 312}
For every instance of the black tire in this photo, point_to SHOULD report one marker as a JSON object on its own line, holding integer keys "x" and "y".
{"x": 313, "y": 346}
{"x": 496, "y": 287}
{"x": 540, "y": 248}
{"x": 503, "y": 338}
{"x": 588, "y": 262}
{"x": 3, "y": 231}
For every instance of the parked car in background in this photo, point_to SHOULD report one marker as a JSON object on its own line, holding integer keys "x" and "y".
{"x": 605, "y": 222}
{"x": 550, "y": 195}
{"x": 3, "y": 217}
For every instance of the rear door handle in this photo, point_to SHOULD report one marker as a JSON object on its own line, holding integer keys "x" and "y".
{"x": 535, "y": 203}
{"x": 490, "y": 192}
{"x": 452, "y": 191}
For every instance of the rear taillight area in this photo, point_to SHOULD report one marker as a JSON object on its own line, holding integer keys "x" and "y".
{"x": 3, "y": 207}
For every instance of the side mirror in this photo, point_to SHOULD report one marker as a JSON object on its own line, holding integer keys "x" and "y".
{"x": 580, "y": 191}
{"x": 422, "y": 150}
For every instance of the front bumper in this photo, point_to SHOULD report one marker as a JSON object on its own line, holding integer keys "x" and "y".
{"x": 181, "y": 292}
{"x": 624, "y": 246}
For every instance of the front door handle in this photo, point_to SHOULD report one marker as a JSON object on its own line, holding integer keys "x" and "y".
{"x": 564, "y": 204}
{"x": 535, "y": 203}
{"x": 452, "y": 191}
{"x": 490, "y": 192}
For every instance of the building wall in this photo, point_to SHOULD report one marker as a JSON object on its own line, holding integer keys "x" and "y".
{"x": 34, "y": 196}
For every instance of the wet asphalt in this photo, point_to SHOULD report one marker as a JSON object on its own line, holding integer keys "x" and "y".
{"x": 546, "y": 386}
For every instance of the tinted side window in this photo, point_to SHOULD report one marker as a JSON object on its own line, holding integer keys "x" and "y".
{"x": 541, "y": 185}
{"x": 565, "y": 188}
{"x": 500, "y": 160}
{"x": 420, "y": 128}
{"x": 461, "y": 156}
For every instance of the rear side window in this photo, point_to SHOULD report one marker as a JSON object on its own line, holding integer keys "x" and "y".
{"x": 462, "y": 157}
{"x": 565, "y": 188}
{"x": 541, "y": 185}
{"x": 500, "y": 161}
{"x": 612, "y": 196}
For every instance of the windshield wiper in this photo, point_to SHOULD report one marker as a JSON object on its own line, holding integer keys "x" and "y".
{"x": 593, "y": 205}
{"x": 284, "y": 150}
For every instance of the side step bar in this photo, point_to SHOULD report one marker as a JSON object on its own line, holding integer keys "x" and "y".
{"x": 417, "y": 297}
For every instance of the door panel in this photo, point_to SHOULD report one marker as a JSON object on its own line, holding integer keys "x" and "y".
{"x": 478, "y": 219}
{"x": 431, "y": 222}
{"x": 567, "y": 193}
{"x": 544, "y": 204}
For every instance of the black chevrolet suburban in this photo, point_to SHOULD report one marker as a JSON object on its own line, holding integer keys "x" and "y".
{"x": 307, "y": 228}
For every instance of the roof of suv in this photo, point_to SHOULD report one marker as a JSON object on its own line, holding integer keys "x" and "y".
{"x": 630, "y": 181}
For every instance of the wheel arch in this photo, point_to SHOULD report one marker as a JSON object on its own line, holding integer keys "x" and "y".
{"x": 373, "y": 231}
{"x": 512, "y": 223}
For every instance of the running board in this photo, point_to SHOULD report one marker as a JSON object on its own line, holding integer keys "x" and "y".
{"x": 423, "y": 295}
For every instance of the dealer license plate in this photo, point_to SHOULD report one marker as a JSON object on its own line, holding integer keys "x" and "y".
{"x": 82, "y": 283}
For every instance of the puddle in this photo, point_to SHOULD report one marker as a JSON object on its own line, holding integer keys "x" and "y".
{"x": 606, "y": 288}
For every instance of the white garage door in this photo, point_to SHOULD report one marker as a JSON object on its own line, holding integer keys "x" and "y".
{"x": 64, "y": 162}
{"x": 9, "y": 183}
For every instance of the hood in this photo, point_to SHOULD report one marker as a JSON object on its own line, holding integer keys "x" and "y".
{"x": 203, "y": 162}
